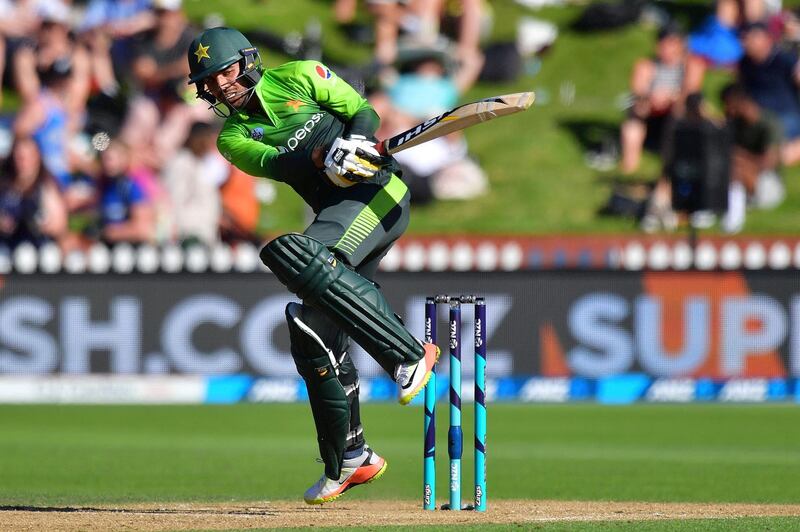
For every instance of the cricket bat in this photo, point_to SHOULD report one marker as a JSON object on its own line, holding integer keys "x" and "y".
{"x": 456, "y": 119}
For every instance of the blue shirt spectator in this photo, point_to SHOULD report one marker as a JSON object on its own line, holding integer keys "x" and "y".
{"x": 716, "y": 42}
{"x": 119, "y": 195}
{"x": 126, "y": 214}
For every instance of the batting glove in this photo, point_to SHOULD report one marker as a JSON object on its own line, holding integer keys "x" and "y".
{"x": 350, "y": 161}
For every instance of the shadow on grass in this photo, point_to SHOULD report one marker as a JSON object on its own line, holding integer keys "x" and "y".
{"x": 592, "y": 134}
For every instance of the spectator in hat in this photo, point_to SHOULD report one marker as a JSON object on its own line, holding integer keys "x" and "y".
{"x": 658, "y": 86}
{"x": 771, "y": 76}
{"x": 429, "y": 83}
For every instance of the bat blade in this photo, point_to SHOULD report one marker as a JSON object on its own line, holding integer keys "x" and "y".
{"x": 459, "y": 118}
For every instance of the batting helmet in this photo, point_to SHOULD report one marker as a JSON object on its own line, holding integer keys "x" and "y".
{"x": 216, "y": 49}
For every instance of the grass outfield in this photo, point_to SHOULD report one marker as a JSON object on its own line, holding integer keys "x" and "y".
{"x": 746, "y": 524}
{"x": 73, "y": 455}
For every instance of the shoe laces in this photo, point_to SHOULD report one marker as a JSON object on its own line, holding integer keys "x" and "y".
{"x": 404, "y": 372}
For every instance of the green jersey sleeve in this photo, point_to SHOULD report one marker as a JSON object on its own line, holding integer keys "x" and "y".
{"x": 258, "y": 159}
{"x": 337, "y": 96}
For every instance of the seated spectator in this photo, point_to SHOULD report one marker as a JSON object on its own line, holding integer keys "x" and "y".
{"x": 51, "y": 74}
{"x": 771, "y": 76}
{"x": 192, "y": 179}
{"x": 464, "y": 22}
{"x": 53, "y": 49}
{"x": 125, "y": 212}
{"x": 120, "y": 19}
{"x": 755, "y": 157}
{"x": 31, "y": 207}
{"x": 658, "y": 87}
{"x": 18, "y": 20}
{"x": 716, "y": 41}
{"x": 428, "y": 85}
{"x": 159, "y": 118}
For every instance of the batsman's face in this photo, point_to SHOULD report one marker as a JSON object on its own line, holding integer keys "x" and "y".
{"x": 225, "y": 87}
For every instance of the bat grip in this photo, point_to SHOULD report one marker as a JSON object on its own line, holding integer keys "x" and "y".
{"x": 380, "y": 147}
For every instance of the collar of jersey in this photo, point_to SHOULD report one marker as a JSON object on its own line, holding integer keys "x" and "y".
{"x": 272, "y": 116}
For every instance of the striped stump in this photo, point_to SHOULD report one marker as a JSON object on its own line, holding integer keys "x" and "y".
{"x": 454, "y": 435}
{"x": 429, "y": 450}
{"x": 480, "y": 404}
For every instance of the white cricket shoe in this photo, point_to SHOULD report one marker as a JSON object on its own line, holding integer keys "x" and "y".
{"x": 355, "y": 471}
{"x": 412, "y": 377}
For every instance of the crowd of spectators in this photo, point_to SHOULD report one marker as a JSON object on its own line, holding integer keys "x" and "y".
{"x": 754, "y": 133}
{"x": 105, "y": 141}
{"x": 427, "y": 54}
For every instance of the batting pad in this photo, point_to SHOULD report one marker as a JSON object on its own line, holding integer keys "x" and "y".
{"x": 312, "y": 271}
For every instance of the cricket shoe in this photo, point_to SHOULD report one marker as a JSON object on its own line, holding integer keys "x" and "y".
{"x": 413, "y": 376}
{"x": 355, "y": 471}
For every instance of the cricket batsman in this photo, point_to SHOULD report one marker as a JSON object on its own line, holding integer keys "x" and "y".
{"x": 302, "y": 125}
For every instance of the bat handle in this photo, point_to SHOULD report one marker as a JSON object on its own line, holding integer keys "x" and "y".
{"x": 380, "y": 147}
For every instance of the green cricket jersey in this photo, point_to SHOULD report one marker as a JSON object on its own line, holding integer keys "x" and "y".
{"x": 305, "y": 105}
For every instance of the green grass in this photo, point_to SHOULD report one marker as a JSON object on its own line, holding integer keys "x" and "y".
{"x": 746, "y": 524}
{"x": 539, "y": 182}
{"x": 52, "y": 455}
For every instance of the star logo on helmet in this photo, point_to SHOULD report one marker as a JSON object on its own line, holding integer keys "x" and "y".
{"x": 202, "y": 52}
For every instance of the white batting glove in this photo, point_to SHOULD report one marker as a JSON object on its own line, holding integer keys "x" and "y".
{"x": 348, "y": 161}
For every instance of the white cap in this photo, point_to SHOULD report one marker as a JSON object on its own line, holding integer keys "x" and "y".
{"x": 54, "y": 11}
{"x": 168, "y": 5}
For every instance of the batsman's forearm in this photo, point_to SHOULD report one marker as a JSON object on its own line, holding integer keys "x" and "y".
{"x": 365, "y": 122}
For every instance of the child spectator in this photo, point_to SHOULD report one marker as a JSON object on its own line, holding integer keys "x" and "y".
{"x": 31, "y": 208}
